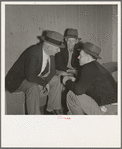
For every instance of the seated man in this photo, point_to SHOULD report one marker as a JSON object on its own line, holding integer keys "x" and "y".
{"x": 95, "y": 91}
{"x": 34, "y": 71}
{"x": 66, "y": 59}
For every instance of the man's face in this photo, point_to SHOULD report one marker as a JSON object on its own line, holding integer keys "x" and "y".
{"x": 51, "y": 49}
{"x": 71, "y": 42}
{"x": 83, "y": 58}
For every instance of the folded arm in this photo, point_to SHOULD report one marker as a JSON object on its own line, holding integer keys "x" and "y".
{"x": 31, "y": 71}
{"x": 88, "y": 75}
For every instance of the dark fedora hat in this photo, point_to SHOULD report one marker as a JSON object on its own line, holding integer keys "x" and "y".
{"x": 92, "y": 50}
{"x": 54, "y": 38}
{"x": 71, "y": 33}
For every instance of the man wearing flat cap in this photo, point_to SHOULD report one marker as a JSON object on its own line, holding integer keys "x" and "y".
{"x": 34, "y": 72}
{"x": 94, "y": 92}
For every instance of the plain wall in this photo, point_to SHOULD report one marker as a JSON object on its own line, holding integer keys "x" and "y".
{"x": 95, "y": 23}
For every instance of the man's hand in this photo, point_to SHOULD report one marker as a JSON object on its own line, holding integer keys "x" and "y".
{"x": 46, "y": 89}
{"x": 72, "y": 71}
{"x": 62, "y": 73}
{"x": 68, "y": 78}
{"x": 72, "y": 78}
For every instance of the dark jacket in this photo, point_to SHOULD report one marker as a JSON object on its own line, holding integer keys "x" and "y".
{"x": 28, "y": 66}
{"x": 95, "y": 81}
{"x": 63, "y": 56}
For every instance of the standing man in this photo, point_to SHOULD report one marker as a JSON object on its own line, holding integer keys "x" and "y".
{"x": 95, "y": 91}
{"x": 66, "y": 59}
{"x": 34, "y": 72}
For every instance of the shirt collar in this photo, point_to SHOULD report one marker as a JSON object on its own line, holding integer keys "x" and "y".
{"x": 45, "y": 56}
{"x": 71, "y": 50}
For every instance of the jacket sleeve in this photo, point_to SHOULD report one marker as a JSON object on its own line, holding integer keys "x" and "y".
{"x": 87, "y": 77}
{"x": 60, "y": 61}
{"x": 31, "y": 70}
{"x": 75, "y": 60}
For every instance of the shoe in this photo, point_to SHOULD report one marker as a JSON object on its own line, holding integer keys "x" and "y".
{"x": 42, "y": 109}
{"x": 54, "y": 112}
{"x": 58, "y": 112}
{"x": 49, "y": 113}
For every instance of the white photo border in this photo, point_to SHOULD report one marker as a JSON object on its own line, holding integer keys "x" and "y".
{"x": 51, "y": 131}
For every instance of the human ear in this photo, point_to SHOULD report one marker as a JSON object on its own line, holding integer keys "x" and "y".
{"x": 76, "y": 41}
{"x": 66, "y": 39}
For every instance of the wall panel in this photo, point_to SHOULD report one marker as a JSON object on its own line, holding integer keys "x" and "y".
{"x": 75, "y": 17}
{"x": 60, "y": 18}
{"x": 88, "y": 23}
{"x": 94, "y": 25}
{"x": 50, "y": 15}
{"x": 99, "y": 25}
{"x": 114, "y": 33}
{"x": 82, "y": 22}
{"x": 68, "y": 16}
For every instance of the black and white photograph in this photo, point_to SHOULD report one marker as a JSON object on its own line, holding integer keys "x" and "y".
{"x": 60, "y": 70}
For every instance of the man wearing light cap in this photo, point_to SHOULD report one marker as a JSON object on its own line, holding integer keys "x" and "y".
{"x": 94, "y": 92}
{"x": 34, "y": 72}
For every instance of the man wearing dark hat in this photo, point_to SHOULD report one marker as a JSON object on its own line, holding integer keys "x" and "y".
{"x": 66, "y": 59}
{"x": 34, "y": 72}
{"x": 94, "y": 92}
